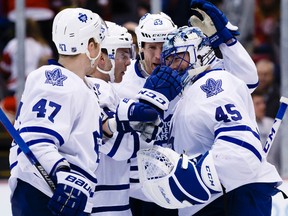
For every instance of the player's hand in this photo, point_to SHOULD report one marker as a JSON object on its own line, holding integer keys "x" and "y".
{"x": 225, "y": 31}
{"x": 71, "y": 194}
{"x": 148, "y": 130}
{"x": 129, "y": 111}
{"x": 161, "y": 87}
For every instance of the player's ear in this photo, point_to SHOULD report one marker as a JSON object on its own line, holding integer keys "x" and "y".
{"x": 92, "y": 45}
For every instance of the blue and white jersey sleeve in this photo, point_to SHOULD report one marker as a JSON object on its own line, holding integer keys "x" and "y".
{"x": 59, "y": 118}
{"x": 214, "y": 115}
{"x": 239, "y": 63}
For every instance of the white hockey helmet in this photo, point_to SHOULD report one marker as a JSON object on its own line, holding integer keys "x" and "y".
{"x": 154, "y": 28}
{"x": 117, "y": 37}
{"x": 193, "y": 41}
{"x": 72, "y": 29}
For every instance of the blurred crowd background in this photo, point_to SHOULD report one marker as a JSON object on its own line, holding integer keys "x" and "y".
{"x": 258, "y": 22}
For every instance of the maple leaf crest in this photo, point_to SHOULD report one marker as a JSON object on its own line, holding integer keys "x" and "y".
{"x": 212, "y": 87}
{"x": 55, "y": 77}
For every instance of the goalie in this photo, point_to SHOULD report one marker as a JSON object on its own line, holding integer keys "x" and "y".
{"x": 225, "y": 172}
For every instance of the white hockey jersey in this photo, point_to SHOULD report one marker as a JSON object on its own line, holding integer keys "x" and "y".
{"x": 216, "y": 113}
{"x": 235, "y": 59}
{"x": 113, "y": 173}
{"x": 59, "y": 117}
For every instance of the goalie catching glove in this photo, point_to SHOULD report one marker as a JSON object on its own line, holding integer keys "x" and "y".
{"x": 173, "y": 181}
{"x": 161, "y": 87}
{"x": 212, "y": 22}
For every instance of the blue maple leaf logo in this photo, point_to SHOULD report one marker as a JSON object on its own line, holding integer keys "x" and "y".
{"x": 55, "y": 77}
{"x": 83, "y": 17}
{"x": 212, "y": 87}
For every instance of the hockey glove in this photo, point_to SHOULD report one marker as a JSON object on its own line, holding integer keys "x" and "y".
{"x": 148, "y": 131}
{"x": 212, "y": 22}
{"x": 71, "y": 194}
{"x": 128, "y": 111}
{"x": 161, "y": 87}
{"x": 174, "y": 181}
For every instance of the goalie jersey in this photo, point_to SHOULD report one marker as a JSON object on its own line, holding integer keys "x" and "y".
{"x": 215, "y": 114}
{"x": 59, "y": 118}
{"x": 235, "y": 59}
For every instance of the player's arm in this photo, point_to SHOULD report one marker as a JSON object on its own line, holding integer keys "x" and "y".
{"x": 214, "y": 24}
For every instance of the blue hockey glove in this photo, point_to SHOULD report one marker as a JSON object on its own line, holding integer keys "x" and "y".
{"x": 71, "y": 194}
{"x": 161, "y": 87}
{"x": 224, "y": 29}
{"x": 128, "y": 111}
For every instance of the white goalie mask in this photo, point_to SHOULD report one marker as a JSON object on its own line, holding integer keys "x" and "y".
{"x": 116, "y": 37}
{"x": 189, "y": 40}
{"x": 153, "y": 28}
{"x": 72, "y": 29}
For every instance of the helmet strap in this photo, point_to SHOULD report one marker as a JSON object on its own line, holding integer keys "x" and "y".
{"x": 111, "y": 72}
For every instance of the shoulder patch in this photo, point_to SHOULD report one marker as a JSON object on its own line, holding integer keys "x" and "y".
{"x": 212, "y": 87}
{"x": 55, "y": 77}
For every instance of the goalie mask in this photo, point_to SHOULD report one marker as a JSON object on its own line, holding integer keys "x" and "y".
{"x": 117, "y": 37}
{"x": 188, "y": 51}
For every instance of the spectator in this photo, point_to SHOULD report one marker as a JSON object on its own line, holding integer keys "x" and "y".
{"x": 264, "y": 125}
{"x": 267, "y": 26}
{"x": 37, "y": 52}
{"x": 267, "y": 86}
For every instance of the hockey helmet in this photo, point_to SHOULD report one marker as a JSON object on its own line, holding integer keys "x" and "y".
{"x": 73, "y": 27}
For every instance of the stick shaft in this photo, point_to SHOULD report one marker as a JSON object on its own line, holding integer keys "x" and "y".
{"x": 276, "y": 125}
{"x": 25, "y": 148}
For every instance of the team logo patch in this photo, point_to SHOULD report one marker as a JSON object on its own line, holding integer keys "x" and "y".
{"x": 83, "y": 17}
{"x": 55, "y": 77}
{"x": 212, "y": 87}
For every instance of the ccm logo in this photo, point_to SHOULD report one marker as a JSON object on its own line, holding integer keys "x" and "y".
{"x": 79, "y": 182}
{"x": 153, "y": 96}
{"x": 209, "y": 174}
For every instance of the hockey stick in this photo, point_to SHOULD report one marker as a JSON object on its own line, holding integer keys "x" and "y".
{"x": 276, "y": 124}
{"x": 25, "y": 148}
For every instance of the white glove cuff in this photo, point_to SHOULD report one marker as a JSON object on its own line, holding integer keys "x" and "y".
{"x": 153, "y": 97}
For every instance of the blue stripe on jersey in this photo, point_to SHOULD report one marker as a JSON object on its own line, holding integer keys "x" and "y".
{"x": 37, "y": 141}
{"x": 43, "y": 130}
{"x": 242, "y": 144}
{"x": 134, "y": 168}
{"x": 112, "y": 187}
{"x": 116, "y": 145}
{"x": 111, "y": 208}
{"x": 13, "y": 165}
{"x": 252, "y": 86}
{"x": 236, "y": 128}
{"x": 132, "y": 180}
{"x": 136, "y": 144}
{"x": 83, "y": 172}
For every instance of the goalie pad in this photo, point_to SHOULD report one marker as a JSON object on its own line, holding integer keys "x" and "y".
{"x": 173, "y": 181}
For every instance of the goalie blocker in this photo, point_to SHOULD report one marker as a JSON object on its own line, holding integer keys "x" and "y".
{"x": 174, "y": 181}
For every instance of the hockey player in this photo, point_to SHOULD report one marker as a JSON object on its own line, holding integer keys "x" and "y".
{"x": 151, "y": 33}
{"x": 51, "y": 119}
{"x": 112, "y": 191}
{"x": 60, "y": 119}
{"x": 214, "y": 121}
